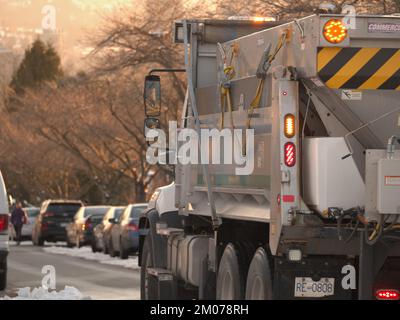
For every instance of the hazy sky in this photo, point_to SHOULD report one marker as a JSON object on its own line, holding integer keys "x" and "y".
{"x": 72, "y": 16}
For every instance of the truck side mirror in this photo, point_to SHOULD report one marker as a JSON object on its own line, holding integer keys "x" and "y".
{"x": 152, "y": 96}
{"x": 151, "y": 123}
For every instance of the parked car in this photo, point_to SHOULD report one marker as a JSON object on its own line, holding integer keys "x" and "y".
{"x": 124, "y": 238}
{"x": 32, "y": 213}
{"x": 102, "y": 230}
{"x": 4, "y": 246}
{"x": 54, "y": 217}
{"x": 80, "y": 231}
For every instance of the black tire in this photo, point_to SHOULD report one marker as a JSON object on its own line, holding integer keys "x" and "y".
{"x": 111, "y": 250}
{"x": 34, "y": 240}
{"x": 123, "y": 254}
{"x": 78, "y": 242}
{"x": 231, "y": 275}
{"x": 40, "y": 241}
{"x": 94, "y": 246}
{"x": 69, "y": 244}
{"x": 105, "y": 248}
{"x": 3, "y": 275}
{"x": 146, "y": 292}
{"x": 259, "y": 279}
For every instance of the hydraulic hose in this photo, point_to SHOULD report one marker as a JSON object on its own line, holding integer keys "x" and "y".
{"x": 376, "y": 234}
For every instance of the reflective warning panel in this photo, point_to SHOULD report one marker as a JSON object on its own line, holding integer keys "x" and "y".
{"x": 359, "y": 68}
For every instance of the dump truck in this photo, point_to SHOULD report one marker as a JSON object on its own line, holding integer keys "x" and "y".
{"x": 318, "y": 216}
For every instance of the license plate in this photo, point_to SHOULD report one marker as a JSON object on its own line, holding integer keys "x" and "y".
{"x": 64, "y": 224}
{"x": 307, "y": 288}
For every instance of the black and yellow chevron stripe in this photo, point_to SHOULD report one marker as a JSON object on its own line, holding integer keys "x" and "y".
{"x": 359, "y": 68}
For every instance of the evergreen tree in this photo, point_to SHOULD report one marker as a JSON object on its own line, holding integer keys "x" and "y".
{"x": 40, "y": 64}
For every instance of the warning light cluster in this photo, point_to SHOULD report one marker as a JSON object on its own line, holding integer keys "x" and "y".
{"x": 335, "y": 31}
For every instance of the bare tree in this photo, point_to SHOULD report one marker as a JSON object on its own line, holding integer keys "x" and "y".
{"x": 94, "y": 123}
{"x": 288, "y": 9}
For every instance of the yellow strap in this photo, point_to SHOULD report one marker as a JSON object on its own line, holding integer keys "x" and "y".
{"x": 256, "y": 101}
{"x": 230, "y": 72}
{"x": 257, "y": 98}
{"x": 222, "y": 102}
{"x": 226, "y": 95}
{"x": 226, "y": 100}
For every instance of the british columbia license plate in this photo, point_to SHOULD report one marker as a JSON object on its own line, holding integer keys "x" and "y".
{"x": 308, "y": 288}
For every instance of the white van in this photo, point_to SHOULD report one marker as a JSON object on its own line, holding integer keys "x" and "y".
{"x": 4, "y": 245}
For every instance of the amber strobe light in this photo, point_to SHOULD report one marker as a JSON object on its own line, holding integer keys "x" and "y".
{"x": 290, "y": 128}
{"x": 335, "y": 31}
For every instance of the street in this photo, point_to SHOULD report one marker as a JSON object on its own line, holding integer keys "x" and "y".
{"x": 92, "y": 279}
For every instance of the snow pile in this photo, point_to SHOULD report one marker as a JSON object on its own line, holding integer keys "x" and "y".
{"x": 69, "y": 293}
{"x": 87, "y": 254}
{"x": 22, "y": 243}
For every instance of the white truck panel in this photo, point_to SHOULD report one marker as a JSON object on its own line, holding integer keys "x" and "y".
{"x": 330, "y": 181}
{"x": 389, "y": 186}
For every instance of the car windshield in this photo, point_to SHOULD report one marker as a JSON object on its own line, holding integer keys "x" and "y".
{"x": 96, "y": 219}
{"x": 136, "y": 211}
{"x": 99, "y": 211}
{"x": 118, "y": 212}
{"x": 32, "y": 212}
{"x": 61, "y": 208}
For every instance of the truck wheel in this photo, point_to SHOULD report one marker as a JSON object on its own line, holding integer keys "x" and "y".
{"x": 231, "y": 276}
{"x": 259, "y": 283}
{"x": 3, "y": 275}
{"x": 146, "y": 291}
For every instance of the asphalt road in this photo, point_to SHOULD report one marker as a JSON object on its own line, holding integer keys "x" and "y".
{"x": 93, "y": 279}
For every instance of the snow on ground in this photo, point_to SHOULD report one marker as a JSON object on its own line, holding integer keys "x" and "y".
{"x": 29, "y": 243}
{"x": 68, "y": 293}
{"x": 22, "y": 243}
{"x": 86, "y": 253}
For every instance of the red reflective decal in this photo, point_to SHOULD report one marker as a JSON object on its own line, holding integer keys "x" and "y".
{"x": 288, "y": 198}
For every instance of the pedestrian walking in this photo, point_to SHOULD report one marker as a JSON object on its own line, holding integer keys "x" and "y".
{"x": 18, "y": 219}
